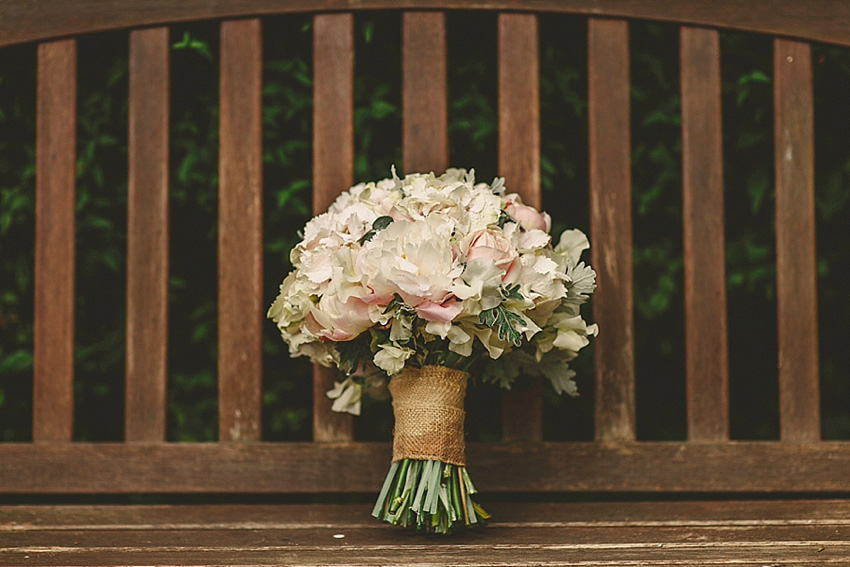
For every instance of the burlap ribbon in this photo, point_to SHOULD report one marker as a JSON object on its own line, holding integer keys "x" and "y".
{"x": 429, "y": 415}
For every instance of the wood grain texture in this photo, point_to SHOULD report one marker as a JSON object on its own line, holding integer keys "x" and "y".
{"x": 817, "y": 20}
{"x": 244, "y": 468}
{"x": 333, "y": 169}
{"x": 425, "y": 137}
{"x": 796, "y": 286}
{"x": 596, "y": 533}
{"x": 611, "y": 227}
{"x": 55, "y": 235}
{"x": 519, "y": 164}
{"x": 707, "y": 353}
{"x": 240, "y": 232}
{"x": 728, "y": 513}
{"x": 147, "y": 236}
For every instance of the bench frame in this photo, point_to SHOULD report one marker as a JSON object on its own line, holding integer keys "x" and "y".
{"x": 241, "y": 463}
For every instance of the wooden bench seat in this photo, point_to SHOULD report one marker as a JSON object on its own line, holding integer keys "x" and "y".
{"x": 614, "y": 500}
{"x": 733, "y": 532}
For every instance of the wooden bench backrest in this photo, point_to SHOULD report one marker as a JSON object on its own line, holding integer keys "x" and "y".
{"x": 240, "y": 461}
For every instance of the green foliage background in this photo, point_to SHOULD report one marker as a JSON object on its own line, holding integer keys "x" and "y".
{"x": 287, "y": 119}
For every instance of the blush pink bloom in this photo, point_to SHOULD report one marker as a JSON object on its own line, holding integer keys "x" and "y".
{"x": 441, "y": 312}
{"x": 492, "y": 246}
{"x": 528, "y": 218}
{"x": 338, "y": 321}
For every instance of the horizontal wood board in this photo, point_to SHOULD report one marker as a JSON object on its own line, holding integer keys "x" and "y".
{"x": 30, "y": 20}
{"x": 637, "y": 533}
{"x": 730, "y": 467}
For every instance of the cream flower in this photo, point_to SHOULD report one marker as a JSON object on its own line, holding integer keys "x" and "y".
{"x": 391, "y": 358}
{"x": 416, "y": 261}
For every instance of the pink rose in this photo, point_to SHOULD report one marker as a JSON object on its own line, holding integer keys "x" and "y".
{"x": 492, "y": 246}
{"x": 528, "y": 218}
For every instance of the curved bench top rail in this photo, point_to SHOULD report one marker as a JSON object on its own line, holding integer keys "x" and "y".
{"x": 23, "y": 21}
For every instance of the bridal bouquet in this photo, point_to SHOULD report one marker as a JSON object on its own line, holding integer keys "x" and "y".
{"x": 412, "y": 285}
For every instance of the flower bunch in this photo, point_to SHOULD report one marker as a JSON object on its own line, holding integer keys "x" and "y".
{"x": 435, "y": 270}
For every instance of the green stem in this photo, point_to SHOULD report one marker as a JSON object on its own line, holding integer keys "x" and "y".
{"x": 428, "y": 496}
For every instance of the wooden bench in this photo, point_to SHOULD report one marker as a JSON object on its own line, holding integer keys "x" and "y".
{"x": 612, "y": 501}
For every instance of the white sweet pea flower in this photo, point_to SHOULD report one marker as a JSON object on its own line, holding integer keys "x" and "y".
{"x": 346, "y": 396}
{"x": 460, "y": 341}
{"x": 572, "y": 244}
{"x": 479, "y": 287}
{"x": 391, "y": 358}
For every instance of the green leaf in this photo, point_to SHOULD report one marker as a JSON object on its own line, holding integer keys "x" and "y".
{"x": 379, "y": 223}
{"x": 353, "y": 351}
{"x": 503, "y": 321}
{"x": 512, "y": 292}
{"x": 16, "y": 362}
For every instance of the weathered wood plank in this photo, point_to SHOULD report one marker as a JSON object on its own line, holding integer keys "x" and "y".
{"x": 30, "y": 20}
{"x": 56, "y": 123}
{"x": 611, "y": 227}
{"x": 425, "y": 136}
{"x": 737, "y": 513}
{"x": 519, "y": 164}
{"x": 799, "y": 394}
{"x": 657, "y": 533}
{"x": 748, "y": 554}
{"x": 333, "y": 169}
{"x": 707, "y": 353}
{"x": 731, "y": 467}
{"x": 240, "y": 232}
{"x": 147, "y": 236}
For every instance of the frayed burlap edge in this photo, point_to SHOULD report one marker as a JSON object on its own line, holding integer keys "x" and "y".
{"x": 429, "y": 415}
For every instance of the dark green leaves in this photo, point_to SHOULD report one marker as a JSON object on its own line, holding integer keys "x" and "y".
{"x": 379, "y": 223}
{"x": 353, "y": 351}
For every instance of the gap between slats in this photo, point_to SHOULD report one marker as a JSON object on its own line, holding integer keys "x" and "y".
{"x": 147, "y": 236}
{"x": 799, "y": 394}
{"x": 704, "y": 251}
{"x": 611, "y": 227}
{"x": 240, "y": 232}
{"x": 53, "y": 388}
{"x": 333, "y": 169}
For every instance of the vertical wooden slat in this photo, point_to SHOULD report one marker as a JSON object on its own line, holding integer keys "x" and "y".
{"x": 53, "y": 392}
{"x": 611, "y": 227}
{"x": 706, "y": 349}
{"x": 795, "y": 242}
{"x": 147, "y": 236}
{"x": 424, "y": 92}
{"x": 240, "y": 229}
{"x": 519, "y": 164}
{"x": 333, "y": 168}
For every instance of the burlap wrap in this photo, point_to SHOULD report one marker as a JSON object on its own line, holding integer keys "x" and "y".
{"x": 429, "y": 415}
